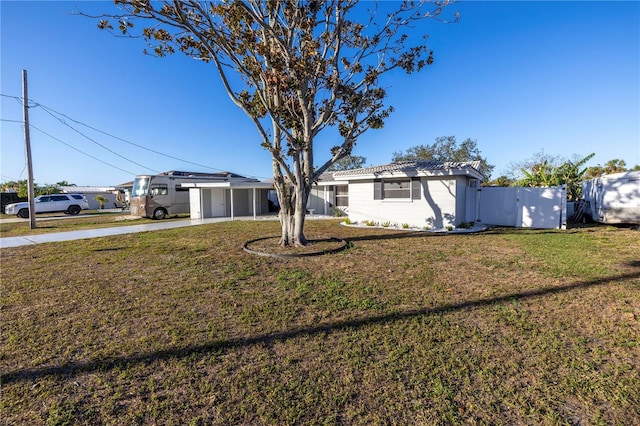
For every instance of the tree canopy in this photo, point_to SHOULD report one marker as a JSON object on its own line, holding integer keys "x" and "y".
{"x": 21, "y": 187}
{"x": 348, "y": 163}
{"x": 612, "y": 166}
{"x": 303, "y": 67}
{"x": 446, "y": 148}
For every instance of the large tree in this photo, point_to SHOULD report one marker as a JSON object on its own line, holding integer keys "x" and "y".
{"x": 446, "y": 148}
{"x": 304, "y": 66}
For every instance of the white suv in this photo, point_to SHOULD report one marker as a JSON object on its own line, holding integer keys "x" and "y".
{"x": 67, "y": 203}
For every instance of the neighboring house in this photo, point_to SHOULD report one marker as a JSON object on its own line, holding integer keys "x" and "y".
{"x": 425, "y": 194}
{"x": 91, "y": 192}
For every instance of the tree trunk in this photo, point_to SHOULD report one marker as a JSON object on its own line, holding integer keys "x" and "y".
{"x": 293, "y": 208}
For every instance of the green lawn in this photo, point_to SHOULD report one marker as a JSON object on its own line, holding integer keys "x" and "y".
{"x": 183, "y": 327}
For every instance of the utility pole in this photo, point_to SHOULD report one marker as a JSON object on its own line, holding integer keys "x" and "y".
{"x": 27, "y": 143}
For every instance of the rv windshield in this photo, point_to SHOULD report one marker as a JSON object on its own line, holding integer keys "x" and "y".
{"x": 140, "y": 186}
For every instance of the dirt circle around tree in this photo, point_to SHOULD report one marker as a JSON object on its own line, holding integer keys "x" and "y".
{"x": 316, "y": 246}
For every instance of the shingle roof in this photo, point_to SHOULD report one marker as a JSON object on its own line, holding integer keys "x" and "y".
{"x": 412, "y": 168}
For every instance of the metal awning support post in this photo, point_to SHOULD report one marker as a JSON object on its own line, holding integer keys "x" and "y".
{"x": 325, "y": 200}
{"x": 232, "y": 213}
{"x": 254, "y": 203}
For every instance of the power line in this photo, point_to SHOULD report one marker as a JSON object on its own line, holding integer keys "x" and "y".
{"x": 80, "y": 151}
{"x": 52, "y": 113}
{"x": 94, "y": 141}
{"x": 70, "y": 146}
{"x": 129, "y": 142}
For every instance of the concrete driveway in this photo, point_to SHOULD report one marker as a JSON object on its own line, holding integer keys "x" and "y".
{"x": 104, "y": 232}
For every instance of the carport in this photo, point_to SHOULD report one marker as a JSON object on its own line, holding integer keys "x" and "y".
{"x": 228, "y": 199}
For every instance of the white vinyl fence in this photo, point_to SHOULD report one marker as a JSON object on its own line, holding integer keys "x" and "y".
{"x": 523, "y": 207}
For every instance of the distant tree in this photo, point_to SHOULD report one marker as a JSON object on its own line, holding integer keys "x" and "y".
{"x": 569, "y": 173}
{"x": 348, "y": 163}
{"x": 49, "y": 189}
{"x": 611, "y": 166}
{"x": 21, "y": 188}
{"x": 539, "y": 159}
{"x": 446, "y": 148}
{"x": 499, "y": 181}
{"x": 304, "y": 66}
{"x": 17, "y": 186}
{"x": 636, "y": 168}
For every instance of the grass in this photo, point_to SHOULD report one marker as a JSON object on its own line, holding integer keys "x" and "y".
{"x": 183, "y": 327}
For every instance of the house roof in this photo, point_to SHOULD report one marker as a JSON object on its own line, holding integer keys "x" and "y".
{"x": 413, "y": 168}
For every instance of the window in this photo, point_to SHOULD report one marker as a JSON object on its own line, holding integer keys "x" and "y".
{"x": 342, "y": 196}
{"x": 43, "y": 199}
{"x": 397, "y": 189}
{"x": 140, "y": 187}
{"x": 159, "y": 189}
{"x": 179, "y": 188}
{"x": 59, "y": 198}
{"x": 77, "y": 196}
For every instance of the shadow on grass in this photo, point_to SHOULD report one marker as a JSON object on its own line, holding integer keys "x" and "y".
{"x": 72, "y": 369}
{"x": 492, "y": 230}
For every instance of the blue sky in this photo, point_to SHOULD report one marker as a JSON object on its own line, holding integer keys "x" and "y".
{"x": 518, "y": 77}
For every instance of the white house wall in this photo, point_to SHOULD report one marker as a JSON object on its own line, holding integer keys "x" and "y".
{"x": 94, "y": 204}
{"x": 461, "y": 195}
{"x": 318, "y": 200}
{"x": 436, "y": 207}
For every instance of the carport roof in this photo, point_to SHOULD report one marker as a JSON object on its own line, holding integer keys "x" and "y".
{"x": 233, "y": 185}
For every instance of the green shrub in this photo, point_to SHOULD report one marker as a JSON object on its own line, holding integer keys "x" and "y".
{"x": 338, "y": 212}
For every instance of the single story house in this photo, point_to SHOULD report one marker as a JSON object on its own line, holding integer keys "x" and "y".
{"x": 425, "y": 194}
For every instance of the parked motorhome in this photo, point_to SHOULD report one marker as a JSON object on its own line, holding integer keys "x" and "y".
{"x": 613, "y": 198}
{"x": 161, "y": 195}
